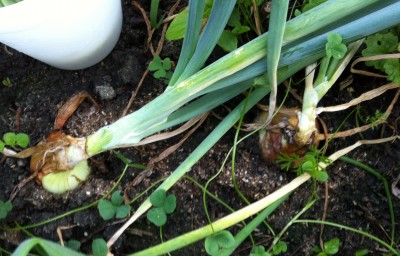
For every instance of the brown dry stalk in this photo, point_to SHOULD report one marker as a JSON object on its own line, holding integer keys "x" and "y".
{"x": 70, "y": 106}
{"x": 174, "y": 147}
{"x": 59, "y": 233}
{"x": 256, "y": 17}
{"x": 134, "y": 93}
{"x": 365, "y": 127}
{"x": 150, "y": 46}
{"x": 167, "y": 135}
{"x": 344, "y": 151}
{"x": 164, "y": 30}
{"x": 21, "y": 184}
{"x": 375, "y": 57}
{"x": 148, "y": 26}
{"x": 363, "y": 97}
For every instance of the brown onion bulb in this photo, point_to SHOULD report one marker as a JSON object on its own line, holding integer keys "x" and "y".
{"x": 278, "y": 137}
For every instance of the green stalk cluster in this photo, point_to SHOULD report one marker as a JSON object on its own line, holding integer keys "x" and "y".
{"x": 329, "y": 71}
{"x": 4, "y": 3}
{"x": 131, "y": 129}
{"x": 235, "y": 72}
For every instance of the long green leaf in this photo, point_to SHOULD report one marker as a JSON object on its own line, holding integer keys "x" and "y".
{"x": 192, "y": 33}
{"x": 49, "y": 247}
{"x": 217, "y": 226}
{"x": 216, "y": 23}
{"x": 251, "y": 226}
{"x": 276, "y": 29}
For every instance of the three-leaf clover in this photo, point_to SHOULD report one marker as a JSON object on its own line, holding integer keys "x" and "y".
{"x": 279, "y": 248}
{"x": 5, "y": 208}
{"x": 162, "y": 205}
{"x": 161, "y": 67}
{"x": 259, "y": 250}
{"x": 331, "y": 247}
{"x": 334, "y": 47}
{"x": 114, "y": 207}
{"x": 99, "y": 247}
{"x": 219, "y": 241}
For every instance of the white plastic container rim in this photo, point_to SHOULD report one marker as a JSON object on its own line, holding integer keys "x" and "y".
{"x": 67, "y": 34}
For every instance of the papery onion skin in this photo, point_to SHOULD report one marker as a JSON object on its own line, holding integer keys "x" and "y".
{"x": 60, "y": 162}
{"x": 279, "y": 136}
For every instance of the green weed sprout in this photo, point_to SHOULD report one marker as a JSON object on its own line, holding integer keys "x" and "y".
{"x": 5, "y": 208}
{"x": 279, "y": 247}
{"x": 384, "y": 43}
{"x": 331, "y": 247}
{"x": 114, "y": 207}
{"x": 162, "y": 205}
{"x": 6, "y": 82}
{"x": 161, "y": 67}
{"x": 73, "y": 244}
{"x": 259, "y": 250}
{"x": 308, "y": 6}
{"x": 14, "y": 140}
{"x": 99, "y": 247}
{"x": 374, "y": 120}
{"x": 219, "y": 241}
{"x": 307, "y": 164}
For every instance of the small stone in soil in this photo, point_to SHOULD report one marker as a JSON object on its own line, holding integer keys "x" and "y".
{"x": 106, "y": 92}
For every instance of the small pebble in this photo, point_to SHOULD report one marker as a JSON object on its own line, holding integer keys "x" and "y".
{"x": 106, "y": 92}
{"x": 21, "y": 162}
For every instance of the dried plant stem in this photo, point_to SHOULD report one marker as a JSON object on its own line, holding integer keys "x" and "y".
{"x": 364, "y": 127}
{"x": 370, "y": 58}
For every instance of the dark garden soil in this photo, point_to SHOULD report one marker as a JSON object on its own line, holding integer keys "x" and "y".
{"x": 356, "y": 198}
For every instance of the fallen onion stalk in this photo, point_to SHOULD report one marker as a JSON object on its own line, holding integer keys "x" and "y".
{"x": 250, "y": 210}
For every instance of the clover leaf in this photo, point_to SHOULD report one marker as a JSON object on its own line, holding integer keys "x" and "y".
{"x": 331, "y": 247}
{"x": 114, "y": 207}
{"x": 162, "y": 205}
{"x": 334, "y": 47}
{"x": 279, "y": 248}
{"x": 5, "y": 208}
{"x": 157, "y": 216}
{"x": 219, "y": 241}
{"x": 259, "y": 251}
{"x": 161, "y": 67}
{"x": 99, "y": 247}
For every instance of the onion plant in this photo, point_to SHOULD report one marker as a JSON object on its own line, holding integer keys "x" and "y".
{"x": 302, "y": 44}
{"x": 359, "y": 19}
{"x": 193, "y": 91}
